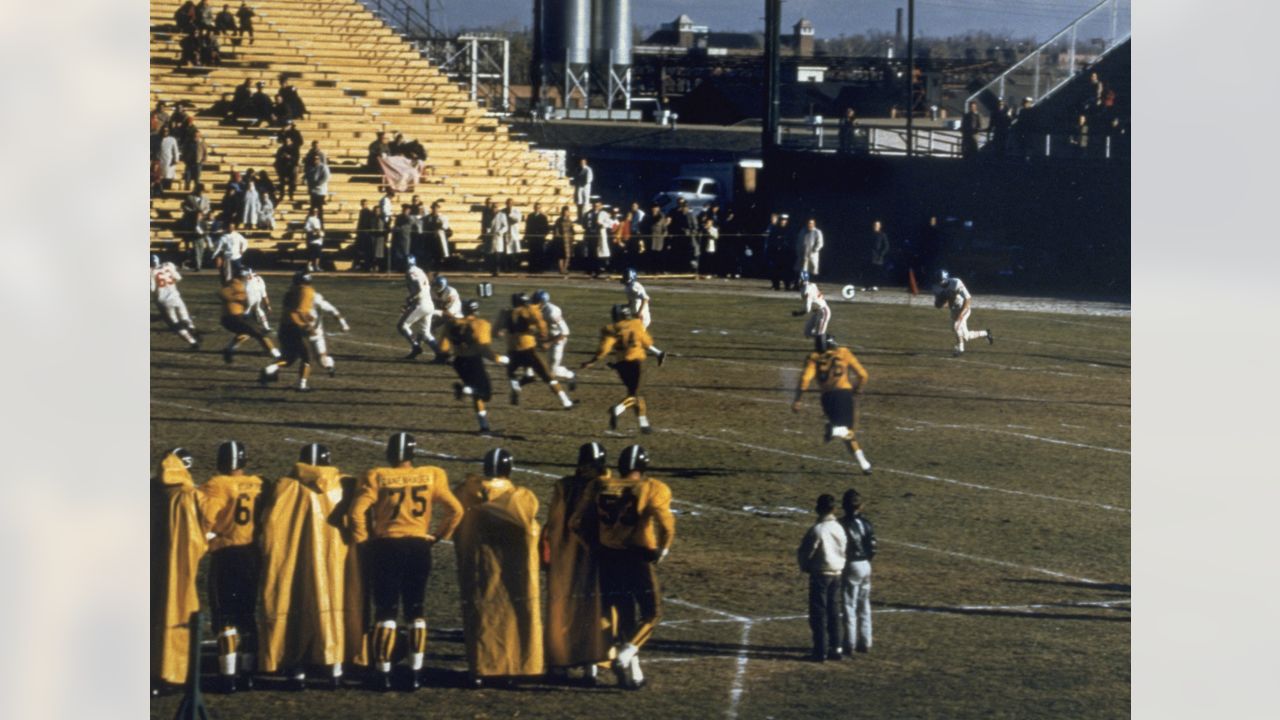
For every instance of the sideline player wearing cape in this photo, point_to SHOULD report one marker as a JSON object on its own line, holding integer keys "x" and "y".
{"x": 627, "y": 338}
{"x": 164, "y": 291}
{"x": 235, "y": 318}
{"x": 952, "y": 292}
{"x": 468, "y": 339}
{"x": 312, "y": 594}
{"x": 629, "y": 518}
{"x": 235, "y": 505}
{"x": 391, "y": 517}
{"x": 497, "y": 552}
{"x": 575, "y": 636}
{"x": 842, "y": 379}
{"x": 177, "y": 544}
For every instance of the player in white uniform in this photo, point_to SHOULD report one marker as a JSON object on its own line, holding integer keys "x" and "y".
{"x": 255, "y": 288}
{"x": 638, "y": 300}
{"x": 419, "y": 309}
{"x": 951, "y": 291}
{"x": 558, "y": 334}
{"x": 164, "y": 291}
{"x": 815, "y": 306}
{"x": 316, "y": 338}
{"x": 448, "y": 301}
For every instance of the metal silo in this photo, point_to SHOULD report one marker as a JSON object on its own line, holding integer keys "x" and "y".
{"x": 577, "y": 31}
{"x": 617, "y": 31}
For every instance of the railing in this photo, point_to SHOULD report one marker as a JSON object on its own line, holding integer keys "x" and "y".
{"x": 1060, "y": 58}
{"x": 813, "y": 137}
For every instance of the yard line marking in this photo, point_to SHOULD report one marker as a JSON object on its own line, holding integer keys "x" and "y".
{"x": 904, "y": 473}
{"x": 740, "y": 668}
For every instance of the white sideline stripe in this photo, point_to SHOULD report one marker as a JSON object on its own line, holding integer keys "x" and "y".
{"x": 904, "y": 473}
{"x": 740, "y": 669}
{"x": 938, "y": 609}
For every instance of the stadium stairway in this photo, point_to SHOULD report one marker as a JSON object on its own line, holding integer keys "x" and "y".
{"x": 357, "y": 78}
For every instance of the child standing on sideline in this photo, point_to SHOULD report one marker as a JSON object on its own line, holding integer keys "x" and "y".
{"x": 822, "y": 555}
{"x": 856, "y": 583}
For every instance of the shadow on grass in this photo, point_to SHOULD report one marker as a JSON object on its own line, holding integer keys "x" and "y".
{"x": 996, "y": 612}
{"x": 712, "y": 649}
{"x": 1114, "y": 587}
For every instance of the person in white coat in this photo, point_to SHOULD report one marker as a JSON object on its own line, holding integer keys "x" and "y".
{"x": 511, "y": 243}
{"x": 599, "y": 221}
{"x": 168, "y": 157}
{"x": 809, "y": 248}
{"x": 499, "y": 230}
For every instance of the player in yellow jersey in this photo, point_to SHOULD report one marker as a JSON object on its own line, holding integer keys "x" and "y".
{"x": 526, "y": 331}
{"x": 627, "y": 338}
{"x": 391, "y": 517}
{"x": 629, "y": 518}
{"x": 234, "y": 503}
{"x": 297, "y": 322}
{"x": 177, "y": 544}
{"x": 235, "y": 318}
{"x": 468, "y": 339}
{"x": 842, "y": 380}
{"x": 575, "y": 636}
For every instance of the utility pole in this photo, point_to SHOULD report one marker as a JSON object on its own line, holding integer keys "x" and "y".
{"x": 772, "y": 28}
{"x": 536, "y": 78}
{"x": 911, "y": 74}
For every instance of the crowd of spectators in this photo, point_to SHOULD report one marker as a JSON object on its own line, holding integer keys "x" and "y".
{"x": 202, "y": 30}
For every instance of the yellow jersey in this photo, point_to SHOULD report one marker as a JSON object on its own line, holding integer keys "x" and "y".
{"x": 397, "y": 502}
{"x": 467, "y": 336}
{"x": 628, "y": 513}
{"x": 299, "y": 307}
{"x": 234, "y": 298}
{"x": 832, "y": 370}
{"x": 628, "y": 339}
{"x": 527, "y": 327}
{"x": 231, "y": 509}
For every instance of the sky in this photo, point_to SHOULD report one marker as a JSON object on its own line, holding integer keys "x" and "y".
{"x": 1039, "y": 18}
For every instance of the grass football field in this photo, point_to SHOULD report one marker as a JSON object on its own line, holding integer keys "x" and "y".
{"x": 1000, "y": 495}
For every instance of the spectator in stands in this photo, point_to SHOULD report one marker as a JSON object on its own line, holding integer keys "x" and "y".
{"x": 159, "y": 119}
{"x": 637, "y": 220}
{"x": 880, "y": 267}
{"x": 314, "y": 231}
{"x": 582, "y": 180}
{"x": 387, "y": 213}
{"x": 268, "y": 197}
{"x": 185, "y": 18}
{"x": 709, "y": 261}
{"x": 562, "y": 239}
{"x": 204, "y": 16}
{"x": 396, "y": 146}
{"x": 402, "y": 238}
{"x": 233, "y": 199}
{"x": 251, "y": 207}
{"x": 598, "y": 223}
{"x": 210, "y": 50}
{"x": 242, "y": 100}
{"x": 225, "y": 22}
{"x": 378, "y": 148}
{"x": 189, "y": 50}
{"x": 998, "y": 129}
{"x": 435, "y": 227}
{"x": 412, "y": 149}
{"x": 536, "y": 230}
{"x": 180, "y": 123}
{"x": 511, "y": 243}
{"x": 970, "y": 125}
{"x": 193, "y": 225}
{"x": 194, "y": 155}
{"x": 260, "y": 107}
{"x": 290, "y": 131}
{"x": 499, "y": 228}
{"x": 287, "y": 167}
{"x": 315, "y": 170}
{"x": 654, "y": 233}
{"x": 245, "y": 13}
{"x": 167, "y": 156}
{"x": 682, "y": 245}
{"x": 846, "y": 131}
{"x": 289, "y": 105}
{"x": 809, "y": 244}
{"x": 620, "y": 240}
{"x": 367, "y": 223}
{"x": 418, "y": 211}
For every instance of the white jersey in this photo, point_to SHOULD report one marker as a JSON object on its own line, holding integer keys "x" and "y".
{"x": 164, "y": 283}
{"x": 320, "y": 306}
{"x": 638, "y": 299}
{"x": 958, "y": 292}
{"x": 556, "y": 325}
{"x": 255, "y": 290}
{"x": 419, "y": 286}
{"x": 449, "y": 301}
{"x": 814, "y": 299}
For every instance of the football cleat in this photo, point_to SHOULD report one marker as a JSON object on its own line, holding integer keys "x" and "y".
{"x": 227, "y": 684}
{"x": 613, "y": 420}
{"x": 991, "y": 339}
{"x": 457, "y": 391}
{"x": 297, "y": 684}
{"x": 266, "y": 378}
{"x": 826, "y": 434}
{"x": 415, "y": 352}
{"x": 333, "y": 370}
{"x": 226, "y": 356}
{"x": 646, "y": 429}
{"x": 484, "y": 426}
{"x": 662, "y": 358}
{"x": 515, "y": 397}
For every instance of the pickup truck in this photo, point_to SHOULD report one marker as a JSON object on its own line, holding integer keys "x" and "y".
{"x": 698, "y": 192}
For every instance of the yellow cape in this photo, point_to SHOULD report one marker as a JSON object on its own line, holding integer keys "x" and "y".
{"x": 179, "y": 545}
{"x": 575, "y": 634}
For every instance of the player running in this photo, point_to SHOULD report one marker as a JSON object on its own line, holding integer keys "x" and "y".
{"x": 832, "y": 366}
{"x": 951, "y": 291}
{"x": 526, "y": 330}
{"x": 419, "y": 309}
{"x": 558, "y": 332}
{"x": 164, "y": 292}
{"x": 468, "y": 339}
{"x": 815, "y": 306}
{"x": 234, "y": 318}
{"x": 638, "y": 299}
{"x": 627, "y": 338}
{"x": 255, "y": 289}
{"x": 297, "y": 324}
{"x": 318, "y": 343}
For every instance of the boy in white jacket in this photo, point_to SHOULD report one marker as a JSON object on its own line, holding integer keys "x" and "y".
{"x": 822, "y": 555}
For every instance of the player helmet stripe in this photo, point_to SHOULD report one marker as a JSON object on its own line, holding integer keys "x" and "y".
{"x": 314, "y": 454}
{"x": 302, "y": 277}
{"x": 231, "y": 456}
{"x": 184, "y": 455}
{"x": 541, "y": 296}
{"x": 943, "y": 276}
{"x": 823, "y": 343}
{"x": 400, "y": 448}
{"x": 592, "y": 455}
{"x": 620, "y": 312}
{"x": 497, "y": 463}
{"x": 628, "y": 276}
{"x": 632, "y": 459}
{"x": 412, "y": 260}
{"x": 519, "y": 299}
{"x": 470, "y": 307}
{"x": 442, "y": 282}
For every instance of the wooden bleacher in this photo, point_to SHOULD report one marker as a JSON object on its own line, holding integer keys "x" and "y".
{"x": 357, "y": 77}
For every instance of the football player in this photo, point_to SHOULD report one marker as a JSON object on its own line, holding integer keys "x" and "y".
{"x": 318, "y": 343}
{"x": 297, "y": 324}
{"x": 497, "y": 552}
{"x": 234, "y": 318}
{"x": 234, "y": 505}
{"x": 815, "y": 306}
{"x": 255, "y": 289}
{"x": 629, "y": 516}
{"x": 558, "y": 336}
{"x": 177, "y": 544}
{"x": 638, "y": 299}
{"x": 526, "y": 330}
{"x": 468, "y": 338}
{"x": 627, "y": 338}
{"x": 842, "y": 380}
{"x": 419, "y": 309}
{"x": 952, "y": 292}
{"x": 448, "y": 301}
{"x": 391, "y": 516}
{"x": 164, "y": 292}
{"x": 575, "y": 635}
{"x": 306, "y": 563}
